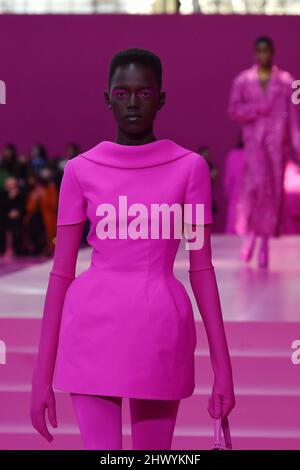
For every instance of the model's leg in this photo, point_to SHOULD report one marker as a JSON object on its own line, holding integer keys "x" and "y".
{"x": 152, "y": 423}
{"x": 263, "y": 258}
{"x": 100, "y": 421}
{"x": 248, "y": 247}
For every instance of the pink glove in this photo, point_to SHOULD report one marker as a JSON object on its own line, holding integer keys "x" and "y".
{"x": 68, "y": 239}
{"x": 204, "y": 285}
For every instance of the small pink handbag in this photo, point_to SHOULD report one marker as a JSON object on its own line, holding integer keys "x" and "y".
{"x": 222, "y": 424}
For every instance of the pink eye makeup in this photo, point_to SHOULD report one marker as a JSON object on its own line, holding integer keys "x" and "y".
{"x": 146, "y": 93}
{"x": 120, "y": 93}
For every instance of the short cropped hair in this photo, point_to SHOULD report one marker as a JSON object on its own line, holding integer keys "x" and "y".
{"x": 136, "y": 55}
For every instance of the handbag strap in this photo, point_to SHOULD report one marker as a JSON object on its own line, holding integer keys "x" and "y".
{"x": 222, "y": 424}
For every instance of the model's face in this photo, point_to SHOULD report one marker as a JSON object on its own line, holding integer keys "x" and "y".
{"x": 134, "y": 97}
{"x": 263, "y": 54}
{"x": 46, "y": 173}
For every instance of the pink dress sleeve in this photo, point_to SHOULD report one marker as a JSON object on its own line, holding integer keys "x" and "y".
{"x": 198, "y": 196}
{"x": 204, "y": 286}
{"x": 238, "y": 108}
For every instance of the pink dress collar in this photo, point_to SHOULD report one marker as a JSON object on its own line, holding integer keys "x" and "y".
{"x": 153, "y": 153}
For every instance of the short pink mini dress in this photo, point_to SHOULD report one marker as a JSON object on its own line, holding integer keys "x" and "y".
{"x": 127, "y": 325}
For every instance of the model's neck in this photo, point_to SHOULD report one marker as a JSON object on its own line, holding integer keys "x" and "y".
{"x": 265, "y": 68}
{"x": 135, "y": 139}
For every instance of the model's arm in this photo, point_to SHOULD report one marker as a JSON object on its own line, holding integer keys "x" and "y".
{"x": 68, "y": 239}
{"x": 204, "y": 285}
{"x": 240, "y": 109}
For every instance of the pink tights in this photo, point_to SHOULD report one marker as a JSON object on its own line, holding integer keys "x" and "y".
{"x": 100, "y": 422}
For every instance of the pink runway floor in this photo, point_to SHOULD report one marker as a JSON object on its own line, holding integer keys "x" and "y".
{"x": 261, "y": 310}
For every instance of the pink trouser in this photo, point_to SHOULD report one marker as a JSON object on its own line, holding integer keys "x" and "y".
{"x": 100, "y": 422}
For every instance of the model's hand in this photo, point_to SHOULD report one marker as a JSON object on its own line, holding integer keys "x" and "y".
{"x": 42, "y": 398}
{"x": 222, "y": 399}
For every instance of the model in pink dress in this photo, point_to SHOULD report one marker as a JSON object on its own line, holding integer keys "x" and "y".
{"x": 124, "y": 327}
{"x": 261, "y": 101}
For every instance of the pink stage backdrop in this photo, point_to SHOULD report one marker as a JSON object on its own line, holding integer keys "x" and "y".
{"x": 55, "y": 68}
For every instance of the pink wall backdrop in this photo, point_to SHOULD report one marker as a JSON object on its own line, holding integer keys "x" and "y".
{"x": 56, "y": 67}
